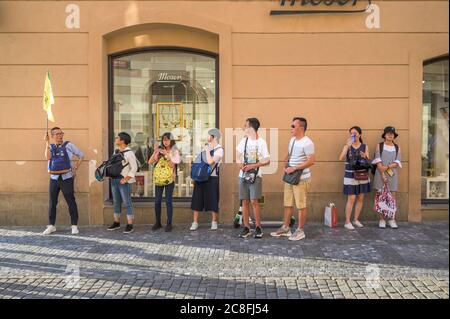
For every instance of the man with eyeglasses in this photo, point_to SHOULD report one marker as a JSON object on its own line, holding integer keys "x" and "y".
{"x": 62, "y": 174}
{"x": 298, "y": 161}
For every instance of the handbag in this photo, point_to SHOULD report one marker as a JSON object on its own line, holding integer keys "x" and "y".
{"x": 385, "y": 203}
{"x": 294, "y": 177}
{"x": 361, "y": 175}
{"x": 251, "y": 175}
{"x": 360, "y": 165}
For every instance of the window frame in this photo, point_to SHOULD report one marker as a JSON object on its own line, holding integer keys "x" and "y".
{"x": 151, "y": 49}
{"x": 425, "y": 201}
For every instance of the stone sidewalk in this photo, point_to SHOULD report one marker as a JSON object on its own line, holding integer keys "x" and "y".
{"x": 411, "y": 262}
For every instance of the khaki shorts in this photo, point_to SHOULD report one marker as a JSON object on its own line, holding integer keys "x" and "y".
{"x": 296, "y": 194}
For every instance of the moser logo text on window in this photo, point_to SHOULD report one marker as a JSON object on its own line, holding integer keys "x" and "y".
{"x": 321, "y": 6}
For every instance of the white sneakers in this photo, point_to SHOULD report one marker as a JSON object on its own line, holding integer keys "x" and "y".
{"x": 214, "y": 226}
{"x": 75, "y": 230}
{"x": 358, "y": 224}
{"x": 299, "y": 234}
{"x": 51, "y": 229}
{"x": 194, "y": 226}
{"x": 349, "y": 226}
{"x": 283, "y": 231}
{"x": 391, "y": 222}
{"x": 381, "y": 224}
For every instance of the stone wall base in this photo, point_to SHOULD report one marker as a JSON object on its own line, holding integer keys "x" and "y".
{"x": 29, "y": 209}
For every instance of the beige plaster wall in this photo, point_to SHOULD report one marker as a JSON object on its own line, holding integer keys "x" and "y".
{"x": 329, "y": 68}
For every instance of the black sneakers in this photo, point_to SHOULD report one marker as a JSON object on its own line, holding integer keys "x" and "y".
{"x": 128, "y": 229}
{"x": 156, "y": 226}
{"x": 245, "y": 232}
{"x": 114, "y": 226}
{"x": 258, "y": 233}
{"x": 168, "y": 228}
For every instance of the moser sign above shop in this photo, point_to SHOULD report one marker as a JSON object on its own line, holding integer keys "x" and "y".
{"x": 167, "y": 77}
{"x": 322, "y": 6}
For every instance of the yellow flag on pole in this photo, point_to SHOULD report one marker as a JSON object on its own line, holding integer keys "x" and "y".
{"x": 48, "y": 99}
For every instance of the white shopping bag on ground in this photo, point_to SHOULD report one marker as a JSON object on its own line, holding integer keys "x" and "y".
{"x": 330, "y": 216}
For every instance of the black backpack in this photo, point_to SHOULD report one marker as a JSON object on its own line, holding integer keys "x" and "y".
{"x": 374, "y": 166}
{"x": 112, "y": 167}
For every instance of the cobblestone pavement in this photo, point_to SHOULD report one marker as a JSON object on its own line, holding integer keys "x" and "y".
{"x": 412, "y": 262}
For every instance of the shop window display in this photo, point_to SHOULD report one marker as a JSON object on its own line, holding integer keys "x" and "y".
{"x": 435, "y": 161}
{"x": 154, "y": 92}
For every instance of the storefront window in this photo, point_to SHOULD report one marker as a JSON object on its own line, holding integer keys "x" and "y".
{"x": 154, "y": 92}
{"x": 435, "y": 181}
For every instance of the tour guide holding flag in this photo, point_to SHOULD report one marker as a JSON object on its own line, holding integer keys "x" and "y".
{"x": 62, "y": 172}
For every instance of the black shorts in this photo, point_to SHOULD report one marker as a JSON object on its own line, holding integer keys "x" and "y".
{"x": 206, "y": 196}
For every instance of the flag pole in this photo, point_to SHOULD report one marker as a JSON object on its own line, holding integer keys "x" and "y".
{"x": 46, "y": 115}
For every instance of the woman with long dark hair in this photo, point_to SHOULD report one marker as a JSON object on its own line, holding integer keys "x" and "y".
{"x": 356, "y": 182}
{"x": 165, "y": 158}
